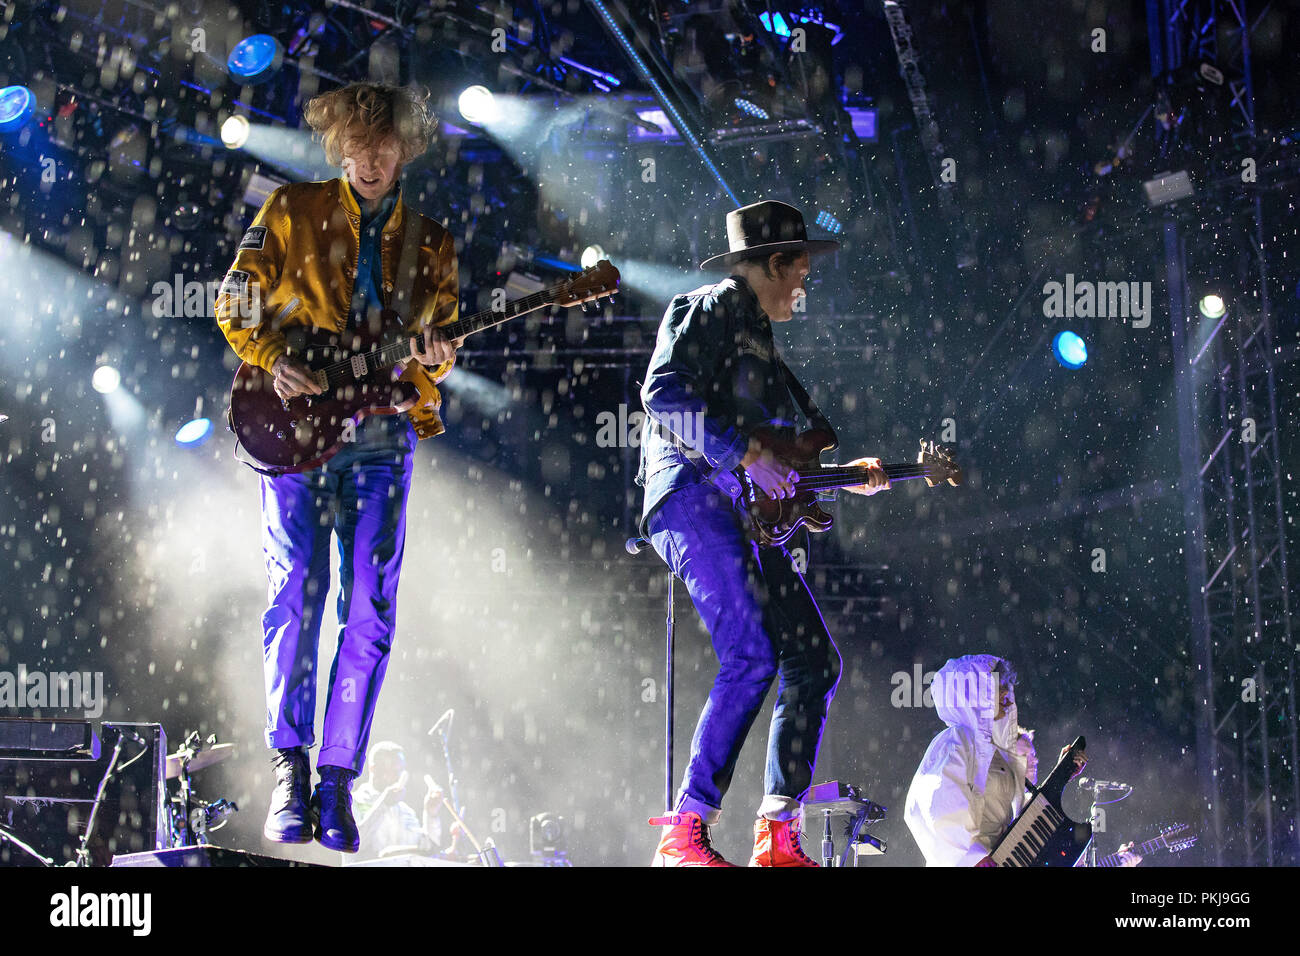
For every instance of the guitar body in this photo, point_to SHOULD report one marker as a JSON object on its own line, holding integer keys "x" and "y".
{"x": 305, "y": 432}
{"x": 774, "y": 521}
{"x": 355, "y": 369}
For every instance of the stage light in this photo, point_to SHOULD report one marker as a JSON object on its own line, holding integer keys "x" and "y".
{"x": 106, "y": 379}
{"x": 774, "y": 23}
{"x": 1212, "y": 306}
{"x": 194, "y": 433}
{"x": 234, "y": 132}
{"x": 864, "y": 122}
{"x": 478, "y": 105}
{"x": 1069, "y": 349}
{"x": 254, "y": 59}
{"x": 750, "y": 108}
{"x": 828, "y": 222}
{"x": 591, "y": 255}
{"x": 17, "y": 103}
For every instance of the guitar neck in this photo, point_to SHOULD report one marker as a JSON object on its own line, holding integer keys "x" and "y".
{"x": 1145, "y": 849}
{"x": 393, "y": 353}
{"x": 844, "y": 476}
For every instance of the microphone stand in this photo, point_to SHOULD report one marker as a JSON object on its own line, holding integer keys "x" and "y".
{"x": 451, "y": 774}
{"x": 1094, "y": 818}
{"x": 83, "y": 848}
{"x": 6, "y": 835}
{"x": 636, "y": 546}
{"x": 1095, "y": 812}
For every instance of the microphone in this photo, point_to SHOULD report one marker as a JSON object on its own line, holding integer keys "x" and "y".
{"x": 636, "y": 545}
{"x": 1086, "y": 782}
{"x": 444, "y": 719}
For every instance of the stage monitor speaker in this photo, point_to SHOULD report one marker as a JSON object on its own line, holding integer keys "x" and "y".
{"x": 45, "y": 800}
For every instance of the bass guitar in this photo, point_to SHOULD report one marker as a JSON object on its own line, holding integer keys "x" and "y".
{"x": 774, "y": 521}
{"x": 355, "y": 369}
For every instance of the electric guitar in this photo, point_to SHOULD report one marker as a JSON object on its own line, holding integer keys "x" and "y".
{"x": 774, "y": 521}
{"x": 355, "y": 369}
{"x": 1162, "y": 842}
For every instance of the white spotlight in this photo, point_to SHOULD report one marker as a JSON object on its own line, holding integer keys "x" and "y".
{"x": 1212, "y": 306}
{"x": 591, "y": 255}
{"x": 106, "y": 379}
{"x": 234, "y": 131}
{"x": 478, "y": 105}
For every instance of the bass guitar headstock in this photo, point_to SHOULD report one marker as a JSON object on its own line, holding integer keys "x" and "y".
{"x": 939, "y": 464}
{"x": 599, "y": 281}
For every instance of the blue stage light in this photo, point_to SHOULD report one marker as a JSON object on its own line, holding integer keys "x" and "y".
{"x": 1069, "y": 349}
{"x": 751, "y": 108}
{"x": 775, "y": 23}
{"x": 17, "y": 103}
{"x": 194, "y": 433}
{"x": 829, "y": 222}
{"x": 255, "y": 58}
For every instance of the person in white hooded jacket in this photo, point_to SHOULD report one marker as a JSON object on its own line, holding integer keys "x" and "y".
{"x": 971, "y": 782}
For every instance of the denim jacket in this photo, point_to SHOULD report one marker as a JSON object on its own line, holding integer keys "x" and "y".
{"x": 713, "y": 378}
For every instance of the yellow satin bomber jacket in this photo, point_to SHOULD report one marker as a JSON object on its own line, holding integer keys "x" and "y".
{"x": 296, "y": 265}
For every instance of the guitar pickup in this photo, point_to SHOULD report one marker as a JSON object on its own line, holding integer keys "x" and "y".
{"x": 359, "y": 366}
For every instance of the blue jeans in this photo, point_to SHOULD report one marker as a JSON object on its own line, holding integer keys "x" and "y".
{"x": 359, "y": 495}
{"x": 764, "y": 625}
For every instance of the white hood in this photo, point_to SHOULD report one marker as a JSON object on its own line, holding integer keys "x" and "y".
{"x": 945, "y": 803}
{"x": 966, "y": 691}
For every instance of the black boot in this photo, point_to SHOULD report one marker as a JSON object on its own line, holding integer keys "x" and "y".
{"x": 289, "y": 819}
{"x": 331, "y": 806}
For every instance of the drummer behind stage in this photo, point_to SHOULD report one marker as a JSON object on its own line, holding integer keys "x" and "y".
{"x": 388, "y": 824}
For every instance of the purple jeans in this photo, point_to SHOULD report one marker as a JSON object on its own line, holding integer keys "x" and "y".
{"x": 359, "y": 495}
{"x": 765, "y": 626}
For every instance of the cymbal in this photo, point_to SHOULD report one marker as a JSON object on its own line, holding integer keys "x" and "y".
{"x": 204, "y": 758}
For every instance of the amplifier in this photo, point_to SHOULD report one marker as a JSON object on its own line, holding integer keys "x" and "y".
{"x": 45, "y": 800}
{"x": 21, "y": 738}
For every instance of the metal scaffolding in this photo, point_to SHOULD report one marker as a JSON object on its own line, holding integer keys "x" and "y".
{"x": 1230, "y": 475}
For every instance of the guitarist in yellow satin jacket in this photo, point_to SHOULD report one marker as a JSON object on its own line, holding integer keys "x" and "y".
{"x": 297, "y": 265}
{"x": 326, "y": 254}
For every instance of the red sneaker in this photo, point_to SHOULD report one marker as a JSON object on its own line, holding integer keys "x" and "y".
{"x": 685, "y": 842}
{"x": 776, "y": 843}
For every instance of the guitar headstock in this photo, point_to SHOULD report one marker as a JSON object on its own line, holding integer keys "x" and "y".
{"x": 591, "y": 284}
{"x": 1167, "y": 835}
{"x": 939, "y": 464}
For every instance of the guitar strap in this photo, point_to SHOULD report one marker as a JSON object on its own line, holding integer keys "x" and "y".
{"x": 408, "y": 268}
{"x": 408, "y": 265}
{"x": 723, "y": 478}
{"x": 805, "y": 402}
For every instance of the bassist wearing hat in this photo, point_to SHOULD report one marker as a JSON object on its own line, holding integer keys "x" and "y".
{"x": 714, "y": 378}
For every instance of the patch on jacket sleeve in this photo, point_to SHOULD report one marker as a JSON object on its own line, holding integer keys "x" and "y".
{"x": 234, "y": 285}
{"x": 255, "y": 238}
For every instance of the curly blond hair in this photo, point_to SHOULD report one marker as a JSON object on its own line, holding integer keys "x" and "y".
{"x": 361, "y": 115}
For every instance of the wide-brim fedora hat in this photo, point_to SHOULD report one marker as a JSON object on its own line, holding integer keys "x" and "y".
{"x": 764, "y": 228}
